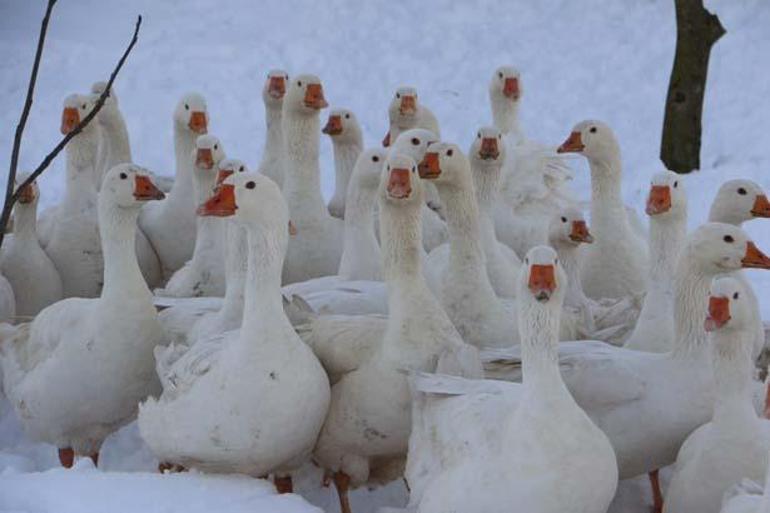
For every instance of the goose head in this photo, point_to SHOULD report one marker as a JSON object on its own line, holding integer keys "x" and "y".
{"x": 593, "y": 139}
{"x": 728, "y": 307}
{"x": 305, "y": 95}
{"x": 208, "y": 153}
{"x": 28, "y": 195}
{"x": 404, "y": 105}
{"x": 718, "y": 248}
{"x": 738, "y": 201}
{"x": 275, "y": 88}
{"x": 488, "y": 147}
{"x": 191, "y": 114}
{"x": 76, "y": 107}
{"x": 368, "y": 168}
{"x": 342, "y": 126}
{"x": 444, "y": 164}
{"x": 667, "y": 198}
{"x": 228, "y": 167}
{"x": 505, "y": 84}
{"x": 542, "y": 278}
{"x": 400, "y": 183}
{"x": 569, "y": 229}
{"x": 414, "y": 143}
{"x": 129, "y": 186}
{"x": 110, "y": 101}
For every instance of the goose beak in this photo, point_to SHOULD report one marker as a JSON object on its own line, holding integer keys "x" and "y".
{"x": 386, "y": 140}
{"x": 489, "y": 150}
{"x": 198, "y": 122}
{"x": 511, "y": 88}
{"x": 429, "y": 167}
{"x": 222, "y": 175}
{"x": 754, "y": 258}
{"x": 399, "y": 183}
{"x": 408, "y": 105}
{"x": 718, "y": 313}
{"x": 27, "y": 194}
{"x": 333, "y": 126}
{"x": 580, "y": 232}
{"x": 145, "y": 190}
{"x": 221, "y": 204}
{"x": 204, "y": 159}
{"x": 761, "y": 207}
{"x": 542, "y": 281}
{"x": 573, "y": 144}
{"x": 276, "y": 87}
{"x": 314, "y": 97}
{"x": 70, "y": 118}
{"x": 659, "y": 200}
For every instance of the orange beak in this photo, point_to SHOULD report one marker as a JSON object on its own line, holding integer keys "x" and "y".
{"x": 542, "y": 281}
{"x": 719, "y": 313}
{"x": 429, "y": 168}
{"x": 399, "y": 183}
{"x": 276, "y": 87}
{"x": 314, "y": 97}
{"x": 659, "y": 200}
{"x": 408, "y": 105}
{"x": 204, "y": 159}
{"x": 70, "y": 118}
{"x": 221, "y": 204}
{"x": 754, "y": 258}
{"x": 145, "y": 190}
{"x": 222, "y": 175}
{"x": 511, "y": 88}
{"x": 489, "y": 150}
{"x": 333, "y": 126}
{"x": 761, "y": 207}
{"x": 580, "y": 232}
{"x": 573, "y": 144}
{"x": 386, "y": 140}
{"x": 198, "y": 122}
{"x": 27, "y": 194}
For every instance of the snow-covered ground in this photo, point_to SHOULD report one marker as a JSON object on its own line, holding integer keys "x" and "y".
{"x": 604, "y": 59}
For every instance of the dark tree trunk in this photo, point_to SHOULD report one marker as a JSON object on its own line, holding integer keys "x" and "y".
{"x": 696, "y": 32}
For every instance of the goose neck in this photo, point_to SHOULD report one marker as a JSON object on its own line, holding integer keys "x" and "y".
{"x": 123, "y": 280}
{"x": 505, "y": 116}
{"x": 80, "y": 191}
{"x": 116, "y": 131}
{"x": 302, "y": 181}
{"x": 667, "y": 237}
{"x": 691, "y": 287}
{"x": 184, "y": 145}
{"x": 25, "y": 221}
{"x": 731, "y": 350}
{"x": 345, "y": 155}
{"x": 263, "y": 300}
{"x": 360, "y": 244}
{"x": 607, "y": 210}
{"x": 570, "y": 262}
{"x": 401, "y": 236}
{"x": 274, "y": 136}
{"x": 236, "y": 267}
{"x": 538, "y": 330}
{"x": 462, "y": 212}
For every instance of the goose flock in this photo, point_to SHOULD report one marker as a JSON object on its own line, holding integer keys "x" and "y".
{"x": 449, "y": 317}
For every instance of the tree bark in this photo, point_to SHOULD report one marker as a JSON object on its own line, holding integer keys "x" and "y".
{"x": 696, "y": 32}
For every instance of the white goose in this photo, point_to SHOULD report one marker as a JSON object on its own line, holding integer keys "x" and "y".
{"x": 667, "y": 208}
{"x": 224, "y": 403}
{"x": 171, "y": 224}
{"x": 366, "y": 431}
{"x": 735, "y": 444}
{"x": 614, "y": 265}
{"x": 347, "y": 140}
{"x": 406, "y": 112}
{"x": 534, "y": 177}
{"x": 629, "y": 394}
{"x": 76, "y": 373}
{"x": 33, "y": 276}
{"x": 204, "y": 273}
{"x": 461, "y": 445}
{"x": 7, "y": 301}
{"x": 317, "y": 247}
{"x": 465, "y": 290}
{"x": 748, "y": 497}
{"x": 272, "y": 163}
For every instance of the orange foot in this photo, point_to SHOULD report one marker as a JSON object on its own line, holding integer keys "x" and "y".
{"x": 66, "y": 457}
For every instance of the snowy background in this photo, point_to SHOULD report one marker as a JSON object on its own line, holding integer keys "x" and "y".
{"x": 604, "y": 59}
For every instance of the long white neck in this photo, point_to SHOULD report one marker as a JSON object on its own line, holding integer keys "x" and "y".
{"x": 733, "y": 369}
{"x": 608, "y": 213}
{"x": 25, "y": 221}
{"x": 538, "y": 329}
{"x": 123, "y": 279}
{"x": 361, "y": 258}
{"x": 182, "y": 190}
{"x": 569, "y": 257}
{"x": 345, "y": 155}
{"x": 116, "y": 131}
{"x": 691, "y": 288}
{"x": 667, "y": 237}
{"x": 272, "y": 154}
{"x": 302, "y": 181}
{"x": 486, "y": 182}
{"x": 505, "y": 115}
{"x": 208, "y": 228}
{"x": 236, "y": 266}
{"x": 401, "y": 236}
{"x": 80, "y": 191}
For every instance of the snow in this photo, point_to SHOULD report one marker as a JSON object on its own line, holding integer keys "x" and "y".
{"x": 603, "y": 59}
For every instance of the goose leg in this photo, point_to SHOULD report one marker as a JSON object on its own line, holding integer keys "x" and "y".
{"x": 95, "y": 458}
{"x": 657, "y": 495}
{"x": 766, "y": 413}
{"x": 342, "y": 482}
{"x": 167, "y": 467}
{"x": 66, "y": 457}
{"x": 283, "y": 484}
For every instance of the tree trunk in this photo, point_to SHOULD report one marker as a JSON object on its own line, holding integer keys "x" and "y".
{"x": 696, "y": 32}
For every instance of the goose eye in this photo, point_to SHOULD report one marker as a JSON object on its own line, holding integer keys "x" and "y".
{"x": 413, "y": 169}
{"x": 299, "y": 83}
{"x": 375, "y": 158}
{"x": 286, "y": 77}
{"x": 526, "y": 261}
{"x": 735, "y": 296}
{"x": 499, "y": 136}
{"x": 556, "y": 262}
{"x": 728, "y": 238}
{"x": 347, "y": 116}
{"x": 240, "y": 169}
{"x": 388, "y": 167}
{"x": 676, "y": 184}
{"x": 593, "y": 130}
{"x": 478, "y": 135}
{"x": 563, "y": 219}
{"x": 398, "y": 95}
{"x": 415, "y": 141}
{"x": 500, "y": 74}
{"x": 742, "y": 191}
{"x": 123, "y": 176}
{"x": 186, "y": 107}
{"x": 251, "y": 185}
{"x": 449, "y": 152}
